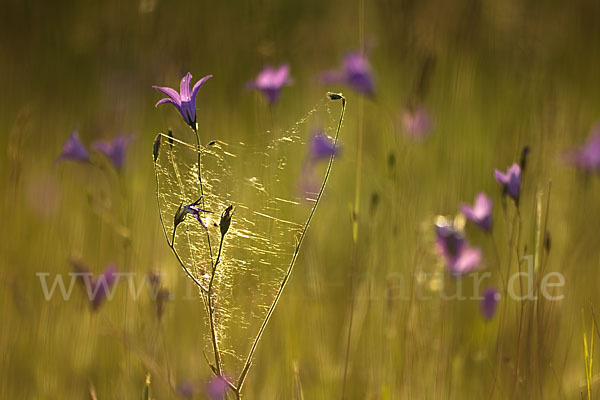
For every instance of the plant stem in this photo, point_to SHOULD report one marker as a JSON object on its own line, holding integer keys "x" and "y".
{"x": 199, "y": 151}
{"x": 211, "y": 311}
{"x": 355, "y": 211}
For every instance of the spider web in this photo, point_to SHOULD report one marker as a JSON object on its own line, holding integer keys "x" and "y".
{"x": 273, "y": 185}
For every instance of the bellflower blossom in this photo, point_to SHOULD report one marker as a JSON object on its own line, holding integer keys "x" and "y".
{"x": 489, "y": 303}
{"x": 322, "y": 147}
{"x": 355, "y": 72}
{"x": 216, "y": 388}
{"x": 510, "y": 181}
{"x": 114, "y": 150}
{"x": 98, "y": 288}
{"x": 480, "y": 213}
{"x": 417, "y": 123}
{"x": 74, "y": 150}
{"x": 191, "y": 209}
{"x": 185, "y": 100}
{"x": 587, "y": 157}
{"x": 271, "y": 80}
{"x": 459, "y": 258}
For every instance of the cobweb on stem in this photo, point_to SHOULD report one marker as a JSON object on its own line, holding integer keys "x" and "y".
{"x": 264, "y": 182}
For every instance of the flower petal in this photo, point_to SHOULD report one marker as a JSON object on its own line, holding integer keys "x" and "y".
{"x": 197, "y": 87}
{"x": 172, "y": 93}
{"x": 184, "y": 87}
{"x": 500, "y": 177}
{"x": 281, "y": 75}
{"x": 468, "y": 260}
{"x": 165, "y": 100}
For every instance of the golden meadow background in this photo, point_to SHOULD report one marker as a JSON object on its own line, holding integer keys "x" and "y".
{"x": 507, "y": 74}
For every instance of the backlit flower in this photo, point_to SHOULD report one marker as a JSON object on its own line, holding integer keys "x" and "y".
{"x": 587, "y": 157}
{"x": 510, "y": 181}
{"x": 480, "y": 213}
{"x": 114, "y": 150}
{"x": 355, "y": 72}
{"x": 185, "y": 100}
{"x": 74, "y": 150}
{"x": 271, "y": 80}
{"x": 453, "y": 248}
{"x": 322, "y": 146}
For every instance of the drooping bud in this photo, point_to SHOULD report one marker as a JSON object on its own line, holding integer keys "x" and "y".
{"x": 179, "y": 216}
{"x": 335, "y": 96}
{"x": 156, "y": 146}
{"x": 226, "y": 220}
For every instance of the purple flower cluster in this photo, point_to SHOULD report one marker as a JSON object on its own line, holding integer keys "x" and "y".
{"x": 355, "y": 72}
{"x": 115, "y": 150}
{"x": 451, "y": 244}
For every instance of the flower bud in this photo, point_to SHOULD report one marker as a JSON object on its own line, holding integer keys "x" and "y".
{"x": 226, "y": 220}
{"x": 179, "y": 216}
{"x": 156, "y": 146}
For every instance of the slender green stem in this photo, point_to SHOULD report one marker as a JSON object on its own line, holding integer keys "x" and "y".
{"x": 199, "y": 151}
{"x": 213, "y": 332}
{"x": 211, "y": 311}
{"x": 355, "y": 211}
{"x": 288, "y": 273}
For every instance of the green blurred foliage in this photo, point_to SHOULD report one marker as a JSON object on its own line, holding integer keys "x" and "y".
{"x": 507, "y": 74}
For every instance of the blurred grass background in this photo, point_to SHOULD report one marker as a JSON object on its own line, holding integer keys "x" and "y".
{"x": 507, "y": 74}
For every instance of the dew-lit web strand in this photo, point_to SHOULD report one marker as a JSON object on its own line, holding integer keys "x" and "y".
{"x": 171, "y": 245}
{"x": 252, "y": 240}
{"x": 181, "y": 196}
{"x": 248, "y": 363}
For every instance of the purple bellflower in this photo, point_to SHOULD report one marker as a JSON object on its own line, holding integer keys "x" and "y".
{"x": 74, "y": 150}
{"x": 417, "y": 123}
{"x": 459, "y": 258}
{"x": 510, "y": 181}
{"x": 98, "y": 288}
{"x": 115, "y": 150}
{"x": 271, "y": 80}
{"x": 216, "y": 388}
{"x": 489, "y": 303}
{"x": 185, "y": 100}
{"x": 193, "y": 210}
{"x": 480, "y": 213}
{"x": 587, "y": 157}
{"x": 354, "y": 72}
{"x": 322, "y": 147}
{"x": 186, "y": 389}
{"x": 102, "y": 285}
